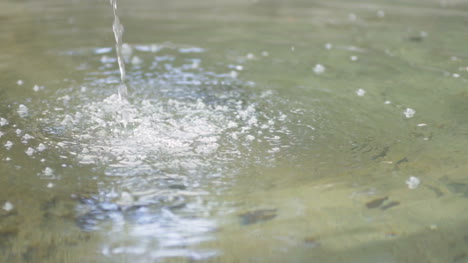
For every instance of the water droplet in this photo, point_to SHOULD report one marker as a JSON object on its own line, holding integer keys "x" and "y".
{"x": 380, "y": 13}
{"x": 361, "y": 92}
{"x": 30, "y": 151}
{"x": 20, "y": 82}
{"x": 8, "y": 145}
{"x": 455, "y": 75}
{"x": 265, "y": 53}
{"x": 319, "y": 69}
{"x": 250, "y": 56}
{"x": 239, "y": 67}
{"x": 48, "y": 171}
{"x": 233, "y": 74}
{"x": 409, "y": 113}
{"x": 352, "y": 17}
{"x": 41, "y": 147}
{"x": 50, "y": 185}
{"x": 387, "y": 102}
{"x": 328, "y": 46}
{"x": 413, "y": 182}
{"x": 22, "y": 111}
{"x": 3, "y": 122}
{"x": 8, "y": 206}
{"x": 37, "y": 88}
{"x": 26, "y": 138}
{"x": 353, "y": 58}
{"x": 136, "y": 60}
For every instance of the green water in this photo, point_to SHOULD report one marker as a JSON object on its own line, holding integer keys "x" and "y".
{"x": 255, "y": 131}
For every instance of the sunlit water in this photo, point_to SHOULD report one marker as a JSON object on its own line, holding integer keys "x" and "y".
{"x": 252, "y": 132}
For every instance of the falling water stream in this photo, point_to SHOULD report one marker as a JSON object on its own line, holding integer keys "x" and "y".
{"x": 118, "y": 30}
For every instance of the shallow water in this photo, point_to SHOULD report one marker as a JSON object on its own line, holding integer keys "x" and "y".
{"x": 255, "y": 131}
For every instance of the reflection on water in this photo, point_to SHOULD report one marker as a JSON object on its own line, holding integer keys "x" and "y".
{"x": 254, "y": 131}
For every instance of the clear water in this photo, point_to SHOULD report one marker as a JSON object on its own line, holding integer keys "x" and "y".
{"x": 253, "y": 131}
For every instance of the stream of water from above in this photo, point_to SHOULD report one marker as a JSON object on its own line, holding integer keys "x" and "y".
{"x": 255, "y": 131}
{"x": 118, "y": 30}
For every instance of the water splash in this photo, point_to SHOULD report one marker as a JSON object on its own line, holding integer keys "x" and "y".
{"x": 118, "y": 29}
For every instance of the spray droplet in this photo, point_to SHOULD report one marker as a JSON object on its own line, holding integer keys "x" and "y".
{"x": 319, "y": 69}
{"x": 8, "y": 145}
{"x": 409, "y": 113}
{"x": 361, "y": 92}
{"x": 3, "y": 121}
{"x": 22, "y": 111}
{"x": 8, "y": 206}
{"x": 413, "y": 182}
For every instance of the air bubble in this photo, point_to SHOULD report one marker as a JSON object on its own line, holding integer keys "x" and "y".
{"x": 361, "y": 92}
